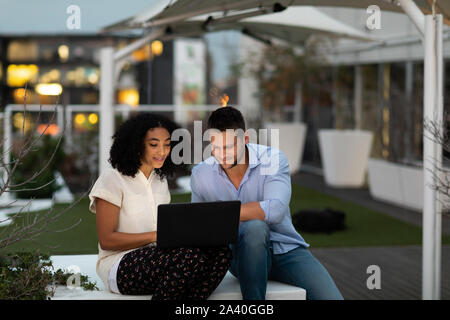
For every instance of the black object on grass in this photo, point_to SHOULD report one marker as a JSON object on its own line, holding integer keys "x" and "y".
{"x": 319, "y": 221}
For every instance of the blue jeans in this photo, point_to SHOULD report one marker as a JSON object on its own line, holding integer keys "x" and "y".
{"x": 254, "y": 263}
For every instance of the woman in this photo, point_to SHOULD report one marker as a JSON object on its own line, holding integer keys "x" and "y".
{"x": 125, "y": 199}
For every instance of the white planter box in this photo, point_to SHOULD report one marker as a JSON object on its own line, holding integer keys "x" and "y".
{"x": 291, "y": 141}
{"x": 344, "y": 156}
{"x": 398, "y": 184}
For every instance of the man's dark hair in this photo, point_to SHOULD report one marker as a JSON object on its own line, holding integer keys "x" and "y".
{"x": 226, "y": 118}
{"x": 128, "y": 146}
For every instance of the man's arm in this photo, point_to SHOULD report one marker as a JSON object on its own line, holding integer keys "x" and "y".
{"x": 252, "y": 211}
{"x": 277, "y": 192}
{"x": 195, "y": 192}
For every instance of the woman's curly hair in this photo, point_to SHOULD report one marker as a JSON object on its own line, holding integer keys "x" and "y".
{"x": 128, "y": 147}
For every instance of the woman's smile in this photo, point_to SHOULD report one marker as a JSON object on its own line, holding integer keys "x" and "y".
{"x": 159, "y": 160}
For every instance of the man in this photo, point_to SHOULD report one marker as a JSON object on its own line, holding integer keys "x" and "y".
{"x": 268, "y": 246}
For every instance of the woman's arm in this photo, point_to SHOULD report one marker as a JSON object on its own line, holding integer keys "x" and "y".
{"x": 107, "y": 218}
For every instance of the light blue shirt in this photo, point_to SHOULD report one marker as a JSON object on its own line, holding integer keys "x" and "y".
{"x": 266, "y": 180}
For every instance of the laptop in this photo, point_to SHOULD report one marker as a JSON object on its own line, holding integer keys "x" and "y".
{"x": 198, "y": 224}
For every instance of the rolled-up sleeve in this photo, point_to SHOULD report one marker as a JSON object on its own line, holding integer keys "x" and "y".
{"x": 277, "y": 192}
{"x": 107, "y": 188}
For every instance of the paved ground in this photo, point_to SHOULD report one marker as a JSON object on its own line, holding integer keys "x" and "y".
{"x": 400, "y": 267}
{"x": 400, "y": 271}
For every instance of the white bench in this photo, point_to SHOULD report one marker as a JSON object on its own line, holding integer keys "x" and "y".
{"x": 228, "y": 289}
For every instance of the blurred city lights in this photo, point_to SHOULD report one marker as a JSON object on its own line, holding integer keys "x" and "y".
{"x": 51, "y": 76}
{"x": 49, "y": 89}
{"x": 142, "y": 54}
{"x": 63, "y": 52}
{"x": 19, "y": 75}
{"x": 80, "y": 119}
{"x": 157, "y": 48}
{"x": 93, "y": 78}
{"x": 129, "y": 96}
{"x": 19, "y": 94}
{"x": 51, "y": 129}
{"x": 148, "y": 51}
{"x": 18, "y": 121}
{"x": 93, "y": 118}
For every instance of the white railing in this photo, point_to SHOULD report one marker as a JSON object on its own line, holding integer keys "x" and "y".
{"x": 7, "y": 131}
{"x": 64, "y": 117}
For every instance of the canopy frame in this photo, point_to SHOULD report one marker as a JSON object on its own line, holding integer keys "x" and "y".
{"x": 430, "y": 28}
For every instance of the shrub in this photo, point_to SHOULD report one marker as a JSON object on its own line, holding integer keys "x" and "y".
{"x": 41, "y": 186}
{"x": 29, "y": 276}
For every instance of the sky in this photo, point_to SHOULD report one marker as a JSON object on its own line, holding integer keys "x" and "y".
{"x": 21, "y": 17}
{"x": 29, "y": 17}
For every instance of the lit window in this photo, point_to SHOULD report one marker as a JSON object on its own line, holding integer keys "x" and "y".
{"x": 129, "y": 96}
{"x": 49, "y": 89}
{"x": 19, "y": 75}
{"x": 63, "y": 52}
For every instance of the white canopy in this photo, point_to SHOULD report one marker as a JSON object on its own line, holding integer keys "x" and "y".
{"x": 293, "y": 24}
{"x": 430, "y": 28}
{"x": 168, "y": 11}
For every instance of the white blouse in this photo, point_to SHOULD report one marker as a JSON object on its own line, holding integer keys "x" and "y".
{"x": 138, "y": 199}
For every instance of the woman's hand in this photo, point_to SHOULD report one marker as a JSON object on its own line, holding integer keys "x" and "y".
{"x": 107, "y": 218}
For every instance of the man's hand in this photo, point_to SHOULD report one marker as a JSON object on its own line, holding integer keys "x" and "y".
{"x": 252, "y": 211}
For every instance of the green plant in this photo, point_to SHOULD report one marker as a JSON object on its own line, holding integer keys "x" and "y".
{"x": 43, "y": 185}
{"x": 80, "y": 166}
{"x": 278, "y": 69}
{"x": 29, "y": 276}
{"x": 60, "y": 277}
{"x": 30, "y": 173}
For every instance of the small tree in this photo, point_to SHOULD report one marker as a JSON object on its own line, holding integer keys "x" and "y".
{"x": 438, "y": 132}
{"x": 278, "y": 69}
{"x": 27, "y": 275}
{"x": 31, "y": 229}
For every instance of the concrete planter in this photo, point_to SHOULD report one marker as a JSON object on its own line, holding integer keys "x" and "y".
{"x": 291, "y": 141}
{"x": 344, "y": 156}
{"x": 396, "y": 183}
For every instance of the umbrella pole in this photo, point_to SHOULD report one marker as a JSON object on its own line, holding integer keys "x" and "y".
{"x": 430, "y": 27}
{"x": 106, "y": 114}
{"x": 432, "y": 159}
{"x": 440, "y": 110}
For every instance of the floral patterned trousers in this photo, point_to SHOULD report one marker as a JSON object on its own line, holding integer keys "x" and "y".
{"x": 173, "y": 274}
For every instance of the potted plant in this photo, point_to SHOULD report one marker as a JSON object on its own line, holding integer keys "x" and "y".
{"x": 280, "y": 71}
{"x": 344, "y": 155}
{"x": 345, "y": 150}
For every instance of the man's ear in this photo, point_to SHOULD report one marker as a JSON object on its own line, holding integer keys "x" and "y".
{"x": 246, "y": 137}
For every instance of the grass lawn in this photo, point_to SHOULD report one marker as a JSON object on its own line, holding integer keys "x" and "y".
{"x": 365, "y": 227}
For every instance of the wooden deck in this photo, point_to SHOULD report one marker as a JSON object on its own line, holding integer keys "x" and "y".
{"x": 401, "y": 271}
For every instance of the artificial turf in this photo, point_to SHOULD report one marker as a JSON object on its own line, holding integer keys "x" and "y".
{"x": 365, "y": 227}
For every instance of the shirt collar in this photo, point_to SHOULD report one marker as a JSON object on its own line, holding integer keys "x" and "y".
{"x": 253, "y": 158}
{"x": 142, "y": 177}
